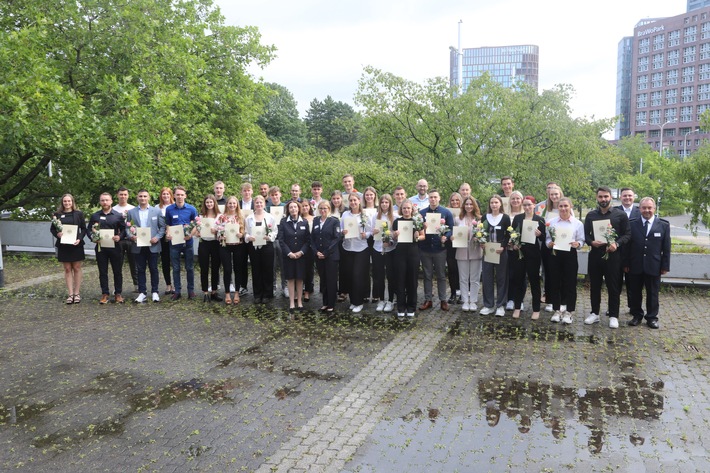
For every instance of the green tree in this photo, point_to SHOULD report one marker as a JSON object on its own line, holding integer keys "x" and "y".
{"x": 331, "y": 125}
{"x": 143, "y": 93}
{"x": 280, "y": 120}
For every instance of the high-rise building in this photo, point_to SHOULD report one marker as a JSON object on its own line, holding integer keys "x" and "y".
{"x": 670, "y": 80}
{"x": 507, "y": 65}
{"x": 697, "y": 4}
{"x": 623, "y": 86}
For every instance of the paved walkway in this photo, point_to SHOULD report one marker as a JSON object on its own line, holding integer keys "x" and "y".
{"x": 193, "y": 386}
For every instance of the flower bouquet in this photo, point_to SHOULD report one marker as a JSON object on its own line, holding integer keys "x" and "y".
{"x": 95, "y": 235}
{"x": 57, "y": 224}
{"x": 610, "y": 237}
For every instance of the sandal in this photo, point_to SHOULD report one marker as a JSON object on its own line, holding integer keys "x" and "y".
{"x": 236, "y": 298}
{"x": 77, "y": 298}
{"x": 70, "y": 299}
{"x": 227, "y": 299}
{"x": 535, "y": 315}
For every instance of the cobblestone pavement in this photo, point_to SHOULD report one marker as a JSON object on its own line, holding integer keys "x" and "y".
{"x": 193, "y": 386}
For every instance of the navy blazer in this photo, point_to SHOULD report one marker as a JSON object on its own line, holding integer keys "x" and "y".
{"x": 635, "y": 212}
{"x": 157, "y": 227}
{"x": 293, "y": 240}
{"x": 326, "y": 237}
{"x": 649, "y": 254}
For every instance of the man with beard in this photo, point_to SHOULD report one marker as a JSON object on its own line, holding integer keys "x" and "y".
{"x": 605, "y": 258}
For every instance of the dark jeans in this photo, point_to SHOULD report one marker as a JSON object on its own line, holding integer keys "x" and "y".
{"x": 383, "y": 268}
{"x": 126, "y": 247}
{"x": 406, "y": 264}
{"x": 145, "y": 258}
{"x": 452, "y": 268}
{"x": 563, "y": 278}
{"x": 165, "y": 261}
{"x": 610, "y": 271}
{"x": 262, "y": 270}
{"x": 208, "y": 256}
{"x": 175, "y": 252}
{"x": 115, "y": 257}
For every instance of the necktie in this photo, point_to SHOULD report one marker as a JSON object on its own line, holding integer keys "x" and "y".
{"x": 645, "y": 228}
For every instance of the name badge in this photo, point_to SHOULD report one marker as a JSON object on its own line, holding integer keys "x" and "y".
{"x": 497, "y": 227}
{"x": 175, "y": 216}
{"x": 337, "y": 229}
{"x": 302, "y": 228}
{"x": 102, "y": 218}
{"x": 154, "y": 218}
{"x": 657, "y": 234}
{"x": 62, "y": 216}
{"x": 317, "y": 226}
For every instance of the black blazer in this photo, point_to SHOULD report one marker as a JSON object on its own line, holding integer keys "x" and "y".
{"x": 539, "y": 241}
{"x": 502, "y": 236}
{"x": 635, "y": 212}
{"x": 648, "y": 254}
{"x": 326, "y": 237}
{"x": 293, "y": 240}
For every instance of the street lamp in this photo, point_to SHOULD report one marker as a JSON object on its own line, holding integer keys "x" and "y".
{"x": 660, "y": 143}
{"x": 685, "y": 141}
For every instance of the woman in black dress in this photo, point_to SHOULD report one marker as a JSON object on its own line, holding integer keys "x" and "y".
{"x": 70, "y": 255}
{"x": 294, "y": 239}
{"x": 325, "y": 244}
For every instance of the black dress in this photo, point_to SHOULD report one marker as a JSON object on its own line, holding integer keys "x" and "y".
{"x": 294, "y": 238}
{"x": 70, "y": 253}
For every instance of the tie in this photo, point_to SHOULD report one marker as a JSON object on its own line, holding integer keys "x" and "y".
{"x": 645, "y": 228}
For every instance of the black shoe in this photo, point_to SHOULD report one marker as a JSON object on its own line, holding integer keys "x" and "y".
{"x": 653, "y": 324}
{"x": 216, "y": 297}
{"x": 206, "y": 298}
{"x": 452, "y": 299}
{"x": 191, "y": 296}
{"x": 459, "y": 300}
{"x": 176, "y": 296}
{"x": 635, "y": 321}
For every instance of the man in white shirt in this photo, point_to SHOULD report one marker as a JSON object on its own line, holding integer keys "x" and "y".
{"x": 124, "y": 244}
{"x": 421, "y": 199}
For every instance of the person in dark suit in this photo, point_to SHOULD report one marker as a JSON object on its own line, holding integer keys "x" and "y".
{"x": 146, "y": 216}
{"x": 294, "y": 239}
{"x": 627, "y": 197}
{"x": 646, "y": 259}
{"x": 325, "y": 244}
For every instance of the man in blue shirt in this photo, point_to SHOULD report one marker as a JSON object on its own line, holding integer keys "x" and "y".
{"x": 182, "y": 213}
{"x": 432, "y": 253}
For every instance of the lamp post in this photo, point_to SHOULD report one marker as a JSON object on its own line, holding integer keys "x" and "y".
{"x": 685, "y": 141}
{"x": 660, "y": 143}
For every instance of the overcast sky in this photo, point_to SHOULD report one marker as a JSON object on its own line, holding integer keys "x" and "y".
{"x": 324, "y": 45}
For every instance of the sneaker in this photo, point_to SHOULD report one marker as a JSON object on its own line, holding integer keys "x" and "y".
{"x": 556, "y": 317}
{"x": 400, "y": 314}
{"x": 231, "y": 288}
{"x": 285, "y": 292}
{"x": 486, "y": 311}
{"x": 510, "y": 305}
{"x": 141, "y": 298}
{"x": 357, "y": 308}
{"x": 591, "y": 319}
{"x": 522, "y": 306}
{"x": 563, "y": 308}
{"x": 566, "y": 318}
{"x": 472, "y": 307}
{"x": 352, "y": 306}
{"x": 389, "y": 306}
{"x": 380, "y": 306}
{"x": 548, "y": 308}
{"x": 465, "y": 307}
{"x": 410, "y": 314}
{"x": 243, "y": 291}
{"x": 613, "y": 322}
{"x": 500, "y": 311}
{"x": 156, "y": 297}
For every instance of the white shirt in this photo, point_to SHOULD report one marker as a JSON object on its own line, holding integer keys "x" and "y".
{"x": 420, "y": 202}
{"x": 121, "y": 209}
{"x": 572, "y": 224}
{"x": 358, "y": 243}
{"x": 250, "y": 223}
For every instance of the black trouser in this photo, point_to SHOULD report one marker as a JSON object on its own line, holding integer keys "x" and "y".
{"x": 165, "y": 262}
{"x": 115, "y": 257}
{"x": 241, "y": 279}
{"x": 382, "y": 268}
{"x": 126, "y": 246}
{"x": 308, "y": 281}
{"x": 328, "y": 273}
{"x": 406, "y": 264}
{"x": 610, "y": 271}
{"x": 652, "y": 284}
{"x": 528, "y": 265}
{"x": 563, "y": 278}
{"x": 208, "y": 257}
{"x": 345, "y": 265}
{"x": 452, "y": 268}
{"x": 144, "y": 258}
{"x": 262, "y": 270}
{"x": 357, "y": 275}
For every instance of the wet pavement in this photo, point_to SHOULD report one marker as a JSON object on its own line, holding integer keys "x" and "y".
{"x": 193, "y": 386}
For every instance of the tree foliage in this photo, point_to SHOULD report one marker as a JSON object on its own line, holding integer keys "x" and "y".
{"x": 331, "y": 125}
{"x": 142, "y": 93}
{"x": 280, "y": 120}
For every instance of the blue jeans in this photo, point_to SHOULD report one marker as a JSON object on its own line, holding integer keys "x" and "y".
{"x": 145, "y": 258}
{"x": 175, "y": 252}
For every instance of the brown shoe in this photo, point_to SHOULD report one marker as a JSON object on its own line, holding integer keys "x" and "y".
{"x": 104, "y": 299}
{"x": 444, "y": 305}
{"x": 118, "y": 298}
{"x": 426, "y": 305}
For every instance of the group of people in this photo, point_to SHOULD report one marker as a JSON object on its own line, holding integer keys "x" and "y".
{"x": 370, "y": 247}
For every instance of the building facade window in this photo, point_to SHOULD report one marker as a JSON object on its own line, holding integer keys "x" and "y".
{"x": 703, "y": 92}
{"x": 672, "y": 77}
{"x": 690, "y": 34}
{"x": 688, "y": 74}
{"x": 673, "y": 38}
{"x": 673, "y": 57}
{"x": 642, "y": 100}
{"x": 704, "y": 71}
{"x": 644, "y": 45}
{"x": 686, "y": 114}
{"x": 642, "y": 82}
{"x": 671, "y": 96}
{"x": 688, "y": 54}
{"x": 640, "y": 118}
{"x": 656, "y": 98}
{"x": 686, "y": 94}
{"x": 657, "y": 80}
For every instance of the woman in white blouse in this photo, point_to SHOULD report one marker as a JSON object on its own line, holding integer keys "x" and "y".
{"x": 356, "y": 227}
{"x": 261, "y": 252}
{"x": 469, "y": 259}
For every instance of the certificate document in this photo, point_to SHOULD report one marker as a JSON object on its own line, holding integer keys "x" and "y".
{"x": 406, "y": 231}
{"x": 142, "y": 236}
{"x": 454, "y": 212}
{"x": 246, "y": 213}
{"x": 221, "y": 208}
{"x": 600, "y": 227}
{"x": 352, "y": 226}
{"x": 107, "y": 239}
{"x": 230, "y": 233}
{"x": 206, "y": 229}
{"x": 370, "y": 212}
{"x": 378, "y": 225}
{"x": 527, "y": 235}
{"x": 563, "y": 237}
{"x": 177, "y": 233}
{"x": 69, "y": 233}
{"x": 506, "y": 205}
{"x": 259, "y": 234}
{"x": 433, "y": 222}
{"x": 459, "y": 236}
{"x": 550, "y": 215}
{"x": 491, "y": 256}
{"x": 277, "y": 212}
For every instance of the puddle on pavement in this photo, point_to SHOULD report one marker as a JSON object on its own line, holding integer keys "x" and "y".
{"x": 22, "y": 413}
{"x": 285, "y": 392}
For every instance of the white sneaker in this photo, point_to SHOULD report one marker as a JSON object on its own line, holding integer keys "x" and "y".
{"x": 352, "y": 306}
{"x": 231, "y": 288}
{"x": 510, "y": 305}
{"x": 472, "y": 307}
{"x": 486, "y": 311}
{"x": 357, "y": 308}
{"x": 566, "y": 318}
{"x": 400, "y": 314}
{"x": 380, "y": 306}
{"x": 556, "y": 317}
{"x": 548, "y": 308}
{"x": 591, "y": 319}
{"x": 141, "y": 298}
{"x": 500, "y": 311}
{"x": 563, "y": 308}
{"x": 389, "y": 306}
{"x": 522, "y": 306}
{"x": 465, "y": 307}
{"x": 613, "y": 322}
{"x": 410, "y": 314}
{"x": 156, "y": 297}
{"x": 285, "y": 292}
